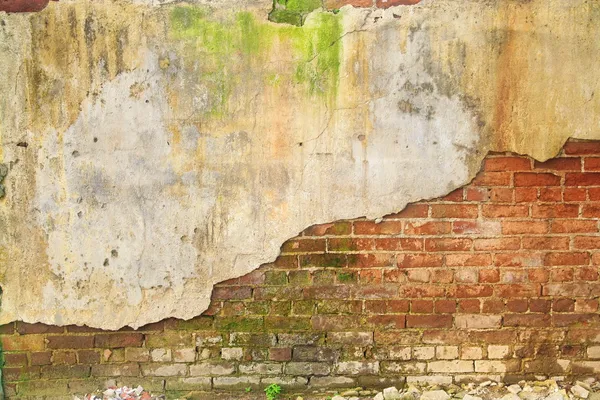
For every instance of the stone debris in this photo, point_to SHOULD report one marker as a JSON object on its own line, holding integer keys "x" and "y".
{"x": 124, "y": 393}
{"x": 549, "y": 389}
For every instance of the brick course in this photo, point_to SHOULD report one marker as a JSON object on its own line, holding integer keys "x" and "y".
{"x": 498, "y": 278}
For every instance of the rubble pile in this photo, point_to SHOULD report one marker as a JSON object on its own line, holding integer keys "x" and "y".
{"x": 122, "y": 393}
{"x": 550, "y": 389}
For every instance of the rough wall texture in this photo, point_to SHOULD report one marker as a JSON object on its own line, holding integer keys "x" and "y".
{"x": 155, "y": 149}
{"x": 499, "y": 279}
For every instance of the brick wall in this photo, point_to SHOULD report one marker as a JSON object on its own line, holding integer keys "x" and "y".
{"x": 498, "y": 279}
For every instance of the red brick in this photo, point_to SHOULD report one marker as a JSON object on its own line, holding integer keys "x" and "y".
{"x": 340, "y": 228}
{"x": 339, "y": 292}
{"x": 563, "y": 305}
{"x": 427, "y": 228}
{"x": 462, "y": 291}
{"x": 448, "y": 244}
{"x": 383, "y": 228}
{"x": 280, "y": 354}
{"x": 70, "y": 342}
{"x": 497, "y": 244}
{"x": 591, "y": 211}
{"x": 421, "y": 306}
{"x": 15, "y": 359}
{"x": 570, "y": 258}
{"x": 551, "y": 194}
{"x": 468, "y": 259}
{"x": 493, "y": 337}
{"x": 587, "y": 274}
{"x": 501, "y": 195}
{"x": 536, "y": 179}
{"x": 471, "y": 227}
{"x": 527, "y": 320}
{"x": 411, "y": 211}
{"x": 574, "y": 194}
{"x": 395, "y": 337}
{"x": 334, "y": 323}
{"x": 489, "y": 275}
{"x": 231, "y": 292}
{"x": 546, "y": 243}
{"x": 582, "y": 148}
{"x": 507, "y": 164}
{"x": 505, "y": 211}
{"x": 454, "y": 211}
{"x": 442, "y": 276}
{"x": 518, "y": 260}
{"x": 387, "y": 307}
{"x": 560, "y": 164}
{"x": 428, "y": 321}
{"x": 561, "y": 275}
{"x": 387, "y": 321}
{"x": 594, "y": 194}
{"x": 445, "y": 306}
{"x": 419, "y": 260}
{"x": 574, "y": 226}
{"x": 582, "y": 179}
{"x": 303, "y": 246}
{"x": 561, "y": 320}
{"x": 492, "y": 179}
{"x": 88, "y": 357}
{"x": 571, "y": 289}
{"x": 392, "y": 3}
{"x": 469, "y": 306}
{"x": 539, "y": 305}
{"x": 591, "y": 164}
{"x": 366, "y": 276}
{"x": 420, "y": 291}
{"x": 492, "y": 306}
{"x": 477, "y": 194}
{"x": 28, "y": 329}
{"x": 399, "y": 244}
{"x": 586, "y": 306}
{"x": 555, "y": 211}
{"x": 538, "y": 275}
{"x": 395, "y": 275}
{"x": 444, "y": 336}
{"x": 587, "y": 242}
{"x": 366, "y": 261}
{"x": 526, "y": 194}
{"x": 455, "y": 196}
{"x": 116, "y": 340}
{"x": 515, "y": 290}
{"x": 41, "y": 358}
{"x": 375, "y": 292}
{"x": 350, "y": 244}
{"x": 520, "y": 227}
{"x": 517, "y": 305}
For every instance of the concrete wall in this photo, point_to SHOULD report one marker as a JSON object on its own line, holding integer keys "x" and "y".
{"x": 155, "y": 149}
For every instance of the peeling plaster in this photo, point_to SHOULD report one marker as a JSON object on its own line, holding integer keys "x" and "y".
{"x": 169, "y": 147}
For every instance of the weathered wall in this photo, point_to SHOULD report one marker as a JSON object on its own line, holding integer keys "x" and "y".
{"x": 156, "y": 149}
{"x": 498, "y": 280}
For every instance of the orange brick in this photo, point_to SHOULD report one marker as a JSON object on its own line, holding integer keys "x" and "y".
{"x": 552, "y": 194}
{"x": 546, "y": 243}
{"x": 507, "y": 164}
{"x": 454, "y": 211}
{"x": 448, "y": 244}
{"x": 574, "y": 226}
{"x": 560, "y": 164}
{"x": 582, "y": 148}
{"x": 492, "y": 179}
{"x": 501, "y": 211}
{"x": 382, "y": 228}
{"x": 574, "y": 194}
{"x": 497, "y": 244}
{"x": 501, "y": 195}
{"x": 428, "y": 228}
{"x": 411, "y": 211}
{"x": 422, "y": 260}
{"x": 582, "y": 179}
{"x": 536, "y": 179}
{"x": 555, "y": 211}
{"x": 568, "y": 258}
{"x": 520, "y": 227}
{"x": 468, "y": 259}
{"x": 591, "y": 164}
{"x": 526, "y": 194}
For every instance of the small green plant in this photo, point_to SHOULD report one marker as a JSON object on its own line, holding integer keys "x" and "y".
{"x": 248, "y": 389}
{"x": 272, "y": 391}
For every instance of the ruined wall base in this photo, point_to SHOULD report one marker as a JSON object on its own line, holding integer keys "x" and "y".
{"x": 498, "y": 280}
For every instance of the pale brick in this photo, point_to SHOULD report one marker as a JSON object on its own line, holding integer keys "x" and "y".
{"x": 400, "y": 353}
{"x": 307, "y": 368}
{"x": 236, "y": 382}
{"x": 164, "y": 369}
{"x": 498, "y": 352}
{"x": 161, "y": 355}
{"x": 497, "y": 367}
{"x": 423, "y": 353}
{"x": 455, "y": 366}
{"x": 184, "y": 355}
{"x": 232, "y": 353}
{"x": 430, "y": 379}
{"x": 446, "y": 352}
{"x": 193, "y": 383}
{"x": 137, "y": 354}
{"x": 477, "y": 321}
{"x": 357, "y": 367}
{"x": 471, "y": 353}
{"x": 332, "y": 382}
{"x": 593, "y": 352}
{"x": 353, "y": 338}
{"x": 410, "y": 367}
{"x": 260, "y": 368}
{"x": 297, "y": 382}
{"x": 212, "y": 368}
{"x": 115, "y": 370}
{"x": 466, "y": 275}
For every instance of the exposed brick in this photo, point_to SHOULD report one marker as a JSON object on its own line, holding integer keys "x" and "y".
{"x": 411, "y": 211}
{"x": 507, "y": 164}
{"x": 574, "y": 226}
{"x": 429, "y": 321}
{"x": 536, "y": 179}
{"x": 560, "y": 164}
{"x": 454, "y": 211}
{"x": 582, "y": 179}
{"x": 116, "y": 340}
{"x": 524, "y": 227}
{"x": 555, "y": 211}
{"x": 582, "y": 148}
{"x": 22, "y": 343}
{"x": 392, "y": 3}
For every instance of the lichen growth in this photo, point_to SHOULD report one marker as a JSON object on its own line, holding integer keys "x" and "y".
{"x": 292, "y": 12}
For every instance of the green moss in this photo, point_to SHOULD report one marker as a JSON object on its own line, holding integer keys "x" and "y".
{"x": 346, "y": 277}
{"x": 283, "y": 16}
{"x": 302, "y": 5}
{"x": 221, "y": 54}
{"x": 240, "y": 324}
